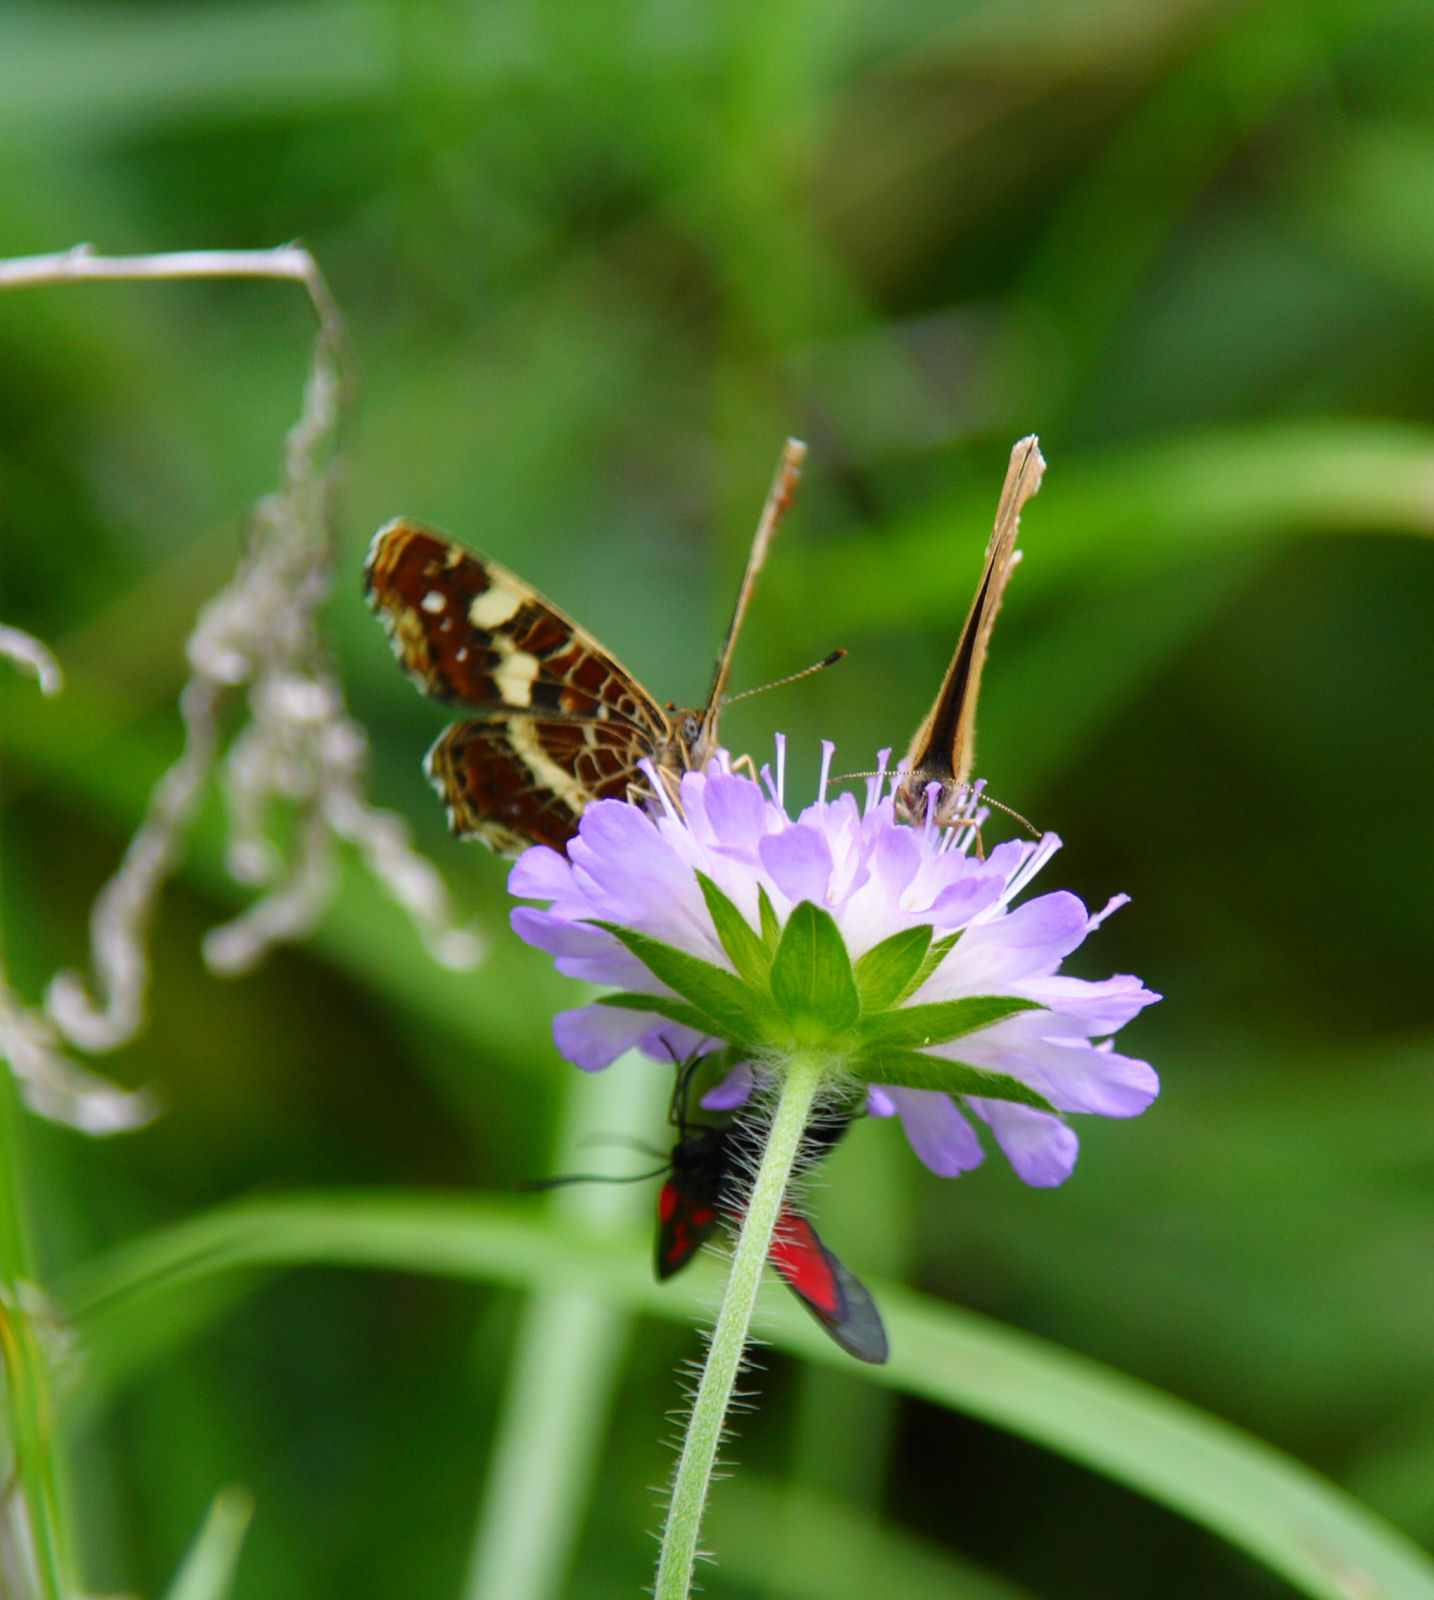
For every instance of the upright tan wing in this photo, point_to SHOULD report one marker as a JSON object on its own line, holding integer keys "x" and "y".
{"x": 944, "y": 745}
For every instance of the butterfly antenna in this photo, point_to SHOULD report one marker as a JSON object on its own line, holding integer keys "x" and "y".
{"x": 779, "y": 498}
{"x": 779, "y": 683}
{"x": 1011, "y": 811}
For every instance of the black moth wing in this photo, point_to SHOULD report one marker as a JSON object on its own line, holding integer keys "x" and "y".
{"x": 691, "y": 1202}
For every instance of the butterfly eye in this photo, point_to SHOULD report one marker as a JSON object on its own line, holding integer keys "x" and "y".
{"x": 691, "y": 727}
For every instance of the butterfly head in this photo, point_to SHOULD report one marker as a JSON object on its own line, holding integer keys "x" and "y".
{"x": 948, "y": 806}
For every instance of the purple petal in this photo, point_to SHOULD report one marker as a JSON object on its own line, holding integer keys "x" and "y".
{"x": 1083, "y": 1077}
{"x": 735, "y": 809}
{"x": 1097, "y": 1009}
{"x": 670, "y": 1041}
{"x": 799, "y": 862}
{"x": 540, "y": 874}
{"x": 632, "y": 874}
{"x": 1006, "y": 857}
{"x": 896, "y": 859}
{"x": 734, "y": 1090}
{"x": 878, "y": 1102}
{"x": 1040, "y": 1147}
{"x": 960, "y": 901}
{"x": 593, "y": 1037}
{"x": 939, "y": 1134}
{"x": 560, "y": 936}
{"x": 1028, "y": 941}
{"x": 1072, "y": 1073}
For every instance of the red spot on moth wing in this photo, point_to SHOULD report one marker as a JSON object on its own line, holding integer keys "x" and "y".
{"x": 838, "y": 1299}
{"x": 805, "y": 1266}
{"x": 682, "y": 1228}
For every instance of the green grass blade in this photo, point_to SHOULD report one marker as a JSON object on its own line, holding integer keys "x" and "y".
{"x": 208, "y": 1570}
{"x": 1300, "y": 1525}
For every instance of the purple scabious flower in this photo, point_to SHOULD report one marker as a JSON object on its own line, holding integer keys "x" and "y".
{"x": 728, "y": 926}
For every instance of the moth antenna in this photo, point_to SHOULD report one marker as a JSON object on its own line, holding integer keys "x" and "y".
{"x": 792, "y": 677}
{"x": 537, "y": 1185}
{"x": 622, "y": 1142}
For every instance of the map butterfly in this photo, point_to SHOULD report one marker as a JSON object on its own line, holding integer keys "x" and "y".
{"x": 555, "y": 721}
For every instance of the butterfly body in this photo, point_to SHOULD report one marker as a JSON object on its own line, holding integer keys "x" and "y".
{"x": 556, "y": 722}
{"x": 943, "y": 746}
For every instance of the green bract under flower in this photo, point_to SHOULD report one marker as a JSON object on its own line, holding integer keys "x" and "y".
{"x": 795, "y": 988}
{"x": 887, "y": 950}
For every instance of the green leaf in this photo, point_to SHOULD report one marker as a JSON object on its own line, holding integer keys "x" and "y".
{"x": 915, "y": 1069}
{"x": 941, "y": 1021}
{"x": 885, "y": 971}
{"x": 750, "y": 956}
{"x": 689, "y": 1016}
{"x": 811, "y": 971}
{"x": 771, "y": 928}
{"x": 736, "y": 1010}
{"x": 934, "y": 957}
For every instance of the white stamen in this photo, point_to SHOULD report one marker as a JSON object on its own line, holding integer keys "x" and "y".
{"x": 876, "y": 782}
{"x": 659, "y": 788}
{"x": 1115, "y": 902}
{"x": 1040, "y": 854}
{"x": 782, "y": 770}
{"x": 828, "y": 751}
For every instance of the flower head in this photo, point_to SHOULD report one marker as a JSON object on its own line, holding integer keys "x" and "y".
{"x": 728, "y": 926}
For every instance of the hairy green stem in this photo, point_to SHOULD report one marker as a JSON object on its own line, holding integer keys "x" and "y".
{"x": 729, "y": 1338}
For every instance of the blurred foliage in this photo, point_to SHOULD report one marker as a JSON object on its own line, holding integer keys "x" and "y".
{"x": 598, "y": 260}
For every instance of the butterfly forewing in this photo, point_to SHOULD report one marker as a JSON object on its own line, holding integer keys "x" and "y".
{"x": 943, "y": 747}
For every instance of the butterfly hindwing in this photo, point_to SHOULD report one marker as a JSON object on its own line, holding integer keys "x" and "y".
{"x": 519, "y": 780}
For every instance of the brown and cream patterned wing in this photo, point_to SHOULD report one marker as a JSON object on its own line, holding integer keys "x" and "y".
{"x": 557, "y": 721}
{"x": 517, "y": 780}
{"x": 471, "y": 633}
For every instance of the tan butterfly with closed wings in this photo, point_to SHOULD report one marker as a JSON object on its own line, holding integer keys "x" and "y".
{"x": 944, "y": 744}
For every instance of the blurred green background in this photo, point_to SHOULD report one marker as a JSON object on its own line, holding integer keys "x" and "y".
{"x": 598, "y": 259}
